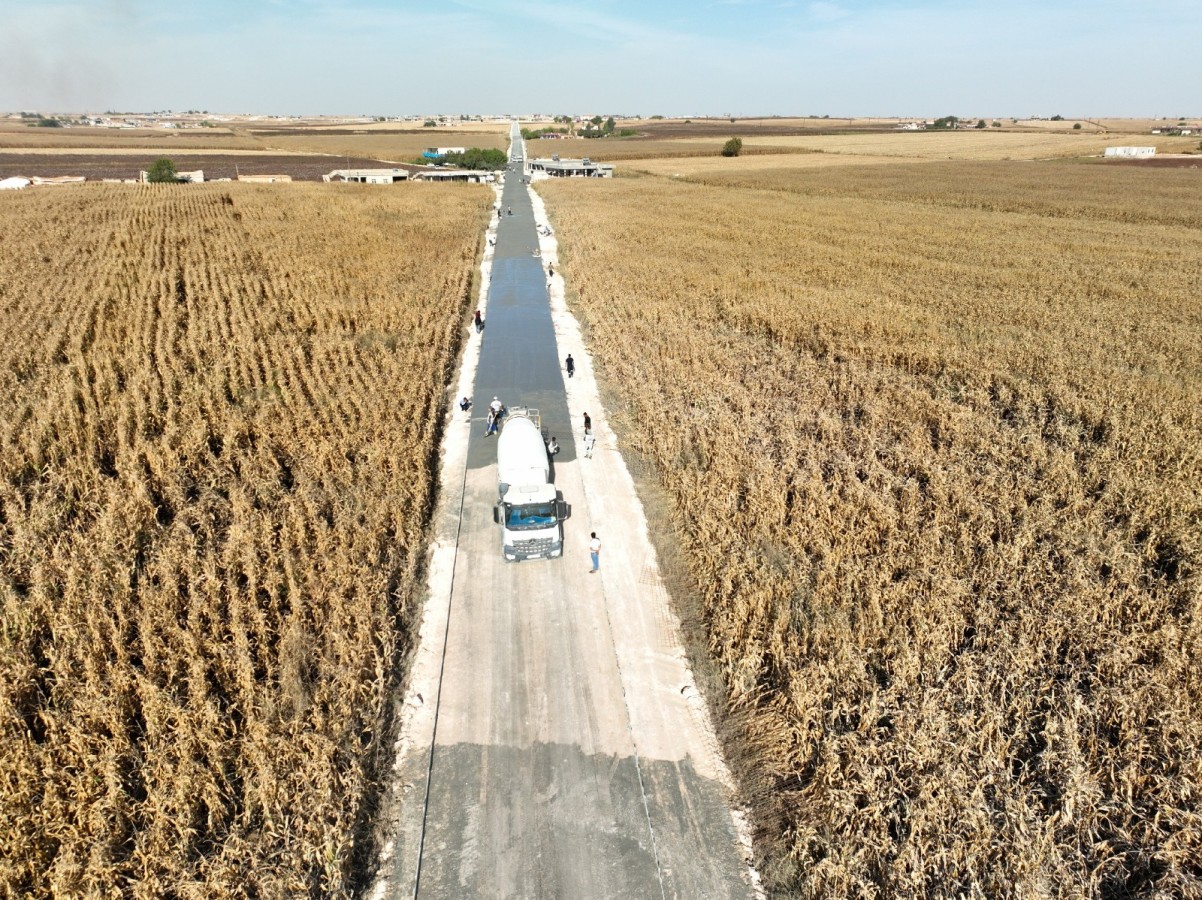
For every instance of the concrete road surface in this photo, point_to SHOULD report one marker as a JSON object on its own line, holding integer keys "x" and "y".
{"x": 554, "y": 752}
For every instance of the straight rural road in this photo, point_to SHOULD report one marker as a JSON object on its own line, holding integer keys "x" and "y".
{"x": 555, "y": 746}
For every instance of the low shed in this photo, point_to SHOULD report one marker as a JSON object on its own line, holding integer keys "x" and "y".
{"x": 368, "y": 176}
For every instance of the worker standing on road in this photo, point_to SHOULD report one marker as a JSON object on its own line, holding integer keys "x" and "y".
{"x": 571, "y": 365}
{"x": 594, "y": 552}
{"x": 589, "y": 442}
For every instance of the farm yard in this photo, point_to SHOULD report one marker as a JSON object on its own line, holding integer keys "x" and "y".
{"x": 931, "y": 445}
{"x": 216, "y": 469}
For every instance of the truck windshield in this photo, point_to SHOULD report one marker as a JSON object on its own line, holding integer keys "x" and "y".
{"x": 530, "y": 515}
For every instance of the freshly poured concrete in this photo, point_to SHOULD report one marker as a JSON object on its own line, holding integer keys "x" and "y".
{"x": 554, "y": 745}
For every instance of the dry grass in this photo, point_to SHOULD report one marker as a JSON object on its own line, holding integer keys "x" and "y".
{"x": 216, "y": 457}
{"x": 934, "y": 455}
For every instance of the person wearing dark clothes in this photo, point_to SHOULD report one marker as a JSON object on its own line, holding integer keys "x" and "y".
{"x": 479, "y": 320}
{"x": 571, "y": 364}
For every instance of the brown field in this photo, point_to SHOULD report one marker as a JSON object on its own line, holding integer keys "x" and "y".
{"x": 397, "y": 146}
{"x": 376, "y": 141}
{"x": 87, "y": 138}
{"x": 217, "y": 452}
{"x": 932, "y": 445}
{"x": 214, "y": 163}
{"x": 657, "y": 141}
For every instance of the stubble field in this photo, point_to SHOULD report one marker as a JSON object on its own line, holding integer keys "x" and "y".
{"x": 933, "y": 449}
{"x": 219, "y": 406}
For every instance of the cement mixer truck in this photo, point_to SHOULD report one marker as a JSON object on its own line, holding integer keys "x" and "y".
{"x": 529, "y": 510}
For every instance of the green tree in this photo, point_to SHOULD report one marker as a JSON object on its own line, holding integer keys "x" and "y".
{"x": 609, "y": 125}
{"x": 162, "y": 171}
{"x": 946, "y": 122}
{"x": 733, "y": 147}
{"x": 429, "y": 123}
{"x": 981, "y": 123}
{"x": 1076, "y": 126}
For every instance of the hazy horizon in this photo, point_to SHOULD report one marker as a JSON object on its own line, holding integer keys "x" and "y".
{"x": 857, "y": 58}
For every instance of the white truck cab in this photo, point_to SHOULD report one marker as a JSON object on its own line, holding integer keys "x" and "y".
{"x": 529, "y": 510}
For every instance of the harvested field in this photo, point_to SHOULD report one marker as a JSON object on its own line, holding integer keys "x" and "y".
{"x": 943, "y": 145}
{"x": 398, "y": 146}
{"x": 219, "y": 431}
{"x": 968, "y": 144}
{"x": 97, "y": 166}
{"x": 934, "y": 457}
{"x": 763, "y": 167}
{"x": 133, "y": 139}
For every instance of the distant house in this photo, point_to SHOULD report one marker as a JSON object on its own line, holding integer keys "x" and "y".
{"x": 196, "y": 177}
{"x": 367, "y": 176}
{"x": 475, "y": 176}
{"x": 264, "y": 179}
{"x": 440, "y": 152}
{"x": 1131, "y": 152}
{"x": 570, "y": 168}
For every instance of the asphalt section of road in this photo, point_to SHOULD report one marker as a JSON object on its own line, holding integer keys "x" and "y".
{"x": 546, "y": 761}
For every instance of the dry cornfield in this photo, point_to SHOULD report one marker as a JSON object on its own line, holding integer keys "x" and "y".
{"x": 931, "y": 441}
{"x": 220, "y": 407}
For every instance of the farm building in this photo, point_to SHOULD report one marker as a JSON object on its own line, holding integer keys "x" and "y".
{"x": 196, "y": 177}
{"x": 1131, "y": 152}
{"x": 367, "y": 176}
{"x": 470, "y": 175}
{"x": 264, "y": 179}
{"x": 15, "y": 183}
{"x": 570, "y": 168}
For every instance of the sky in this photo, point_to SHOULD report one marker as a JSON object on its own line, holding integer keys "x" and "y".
{"x": 912, "y": 58}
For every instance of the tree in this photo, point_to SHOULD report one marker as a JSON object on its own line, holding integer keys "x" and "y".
{"x": 608, "y": 128}
{"x": 980, "y": 123}
{"x": 1076, "y": 126}
{"x": 162, "y": 171}
{"x": 945, "y": 122}
{"x": 733, "y": 147}
{"x": 429, "y": 123}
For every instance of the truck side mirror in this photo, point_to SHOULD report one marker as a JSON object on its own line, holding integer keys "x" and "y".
{"x": 496, "y": 514}
{"x": 564, "y": 510}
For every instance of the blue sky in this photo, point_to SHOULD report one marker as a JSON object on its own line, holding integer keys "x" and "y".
{"x": 742, "y": 57}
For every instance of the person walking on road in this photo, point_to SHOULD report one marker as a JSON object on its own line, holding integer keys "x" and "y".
{"x": 496, "y": 409}
{"x": 479, "y": 320}
{"x": 589, "y": 442}
{"x": 594, "y": 552}
{"x": 571, "y": 365}
{"x": 588, "y": 424}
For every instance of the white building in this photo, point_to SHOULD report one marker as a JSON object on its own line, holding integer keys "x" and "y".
{"x": 367, "y": 176}
{"x": 569, "y": 168}
{"x": 1131, "y": 152}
